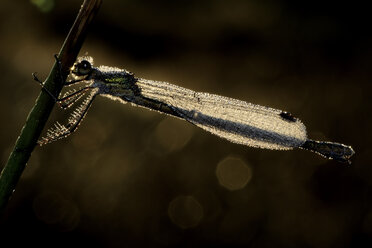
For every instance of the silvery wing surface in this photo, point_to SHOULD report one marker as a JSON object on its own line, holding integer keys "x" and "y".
{"x": 237, "y": 121}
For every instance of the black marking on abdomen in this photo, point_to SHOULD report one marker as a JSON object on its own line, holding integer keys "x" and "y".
{"x": 134, "y": 87}
{"x": 287, "y": 116}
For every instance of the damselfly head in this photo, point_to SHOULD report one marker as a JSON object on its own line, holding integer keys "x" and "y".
{"x": 83, "y": 66}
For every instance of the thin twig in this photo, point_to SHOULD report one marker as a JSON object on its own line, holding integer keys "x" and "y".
{"x": 39, "y": 114}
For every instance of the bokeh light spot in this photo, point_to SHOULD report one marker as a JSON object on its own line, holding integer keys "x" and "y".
{"x": 233, "y": 173}
{"x": 52, "y": 209}
{"x": 44, "y": 5}
{"x": 185, "y": 211}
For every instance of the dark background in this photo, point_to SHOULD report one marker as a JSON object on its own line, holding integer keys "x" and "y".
{"x": 132, "y": 177}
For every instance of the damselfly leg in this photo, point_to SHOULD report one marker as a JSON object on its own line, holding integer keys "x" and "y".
{"x": 60, "y": 131}
{"x": 70, "y": 98}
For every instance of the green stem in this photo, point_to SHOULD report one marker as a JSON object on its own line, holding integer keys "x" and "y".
{"x": 39, "y": 114}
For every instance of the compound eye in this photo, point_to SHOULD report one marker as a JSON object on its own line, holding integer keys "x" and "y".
{"x": 82, "y": 68}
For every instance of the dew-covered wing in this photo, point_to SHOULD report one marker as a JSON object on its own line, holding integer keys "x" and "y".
{"x": 235, "y": 120}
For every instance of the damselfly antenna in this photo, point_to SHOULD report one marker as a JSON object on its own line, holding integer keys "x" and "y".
{"x": 237, "y": 121}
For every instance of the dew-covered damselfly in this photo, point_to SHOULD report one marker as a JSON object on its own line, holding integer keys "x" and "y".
{"x": 237, "y": 121}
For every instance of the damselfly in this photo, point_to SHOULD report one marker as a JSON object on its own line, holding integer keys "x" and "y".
{"x": 237, "y": 121}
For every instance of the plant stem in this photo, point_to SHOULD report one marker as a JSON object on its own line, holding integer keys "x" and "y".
{"x": 39, "y": 114}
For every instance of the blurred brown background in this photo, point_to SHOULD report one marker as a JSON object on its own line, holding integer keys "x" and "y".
{"x": 131, "y": 177}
